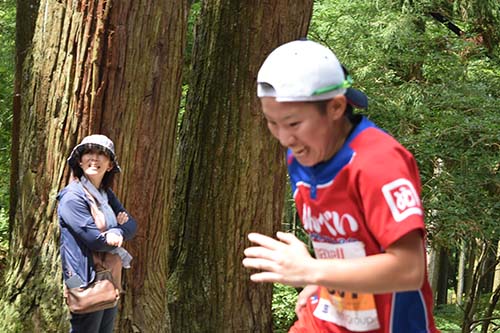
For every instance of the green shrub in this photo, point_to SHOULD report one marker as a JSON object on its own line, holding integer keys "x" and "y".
{"x": 4, "y": 239}
{"x": 283, "y": 307}
{"x": 448, "y": 318}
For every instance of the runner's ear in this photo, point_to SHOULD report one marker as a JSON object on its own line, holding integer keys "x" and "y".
{"x": 336, "y": 107}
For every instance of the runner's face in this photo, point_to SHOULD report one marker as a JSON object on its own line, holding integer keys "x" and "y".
{"x": 300, "y": 126}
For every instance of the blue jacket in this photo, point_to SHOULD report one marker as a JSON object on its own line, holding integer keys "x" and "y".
{"x": 80, "y": 235}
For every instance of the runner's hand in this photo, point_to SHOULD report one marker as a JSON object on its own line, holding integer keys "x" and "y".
{"x": 284, "y": 260}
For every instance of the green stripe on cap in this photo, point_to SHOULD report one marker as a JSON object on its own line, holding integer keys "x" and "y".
{"x": 345, "y": 84}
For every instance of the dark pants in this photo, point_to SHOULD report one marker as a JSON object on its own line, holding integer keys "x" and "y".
{"x": 94, "y": 322}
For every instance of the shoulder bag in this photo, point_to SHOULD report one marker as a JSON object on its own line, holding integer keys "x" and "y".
{"x": 101, "y": 294}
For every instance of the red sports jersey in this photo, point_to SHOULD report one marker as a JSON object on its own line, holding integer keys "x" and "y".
{"x": 357, "y": 204}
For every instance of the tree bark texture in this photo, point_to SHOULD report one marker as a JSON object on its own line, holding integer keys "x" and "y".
{"x": 231, "y": 175}
{"x": 94, "y": 66}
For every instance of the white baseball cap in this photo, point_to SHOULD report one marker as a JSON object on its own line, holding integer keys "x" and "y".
{"x": 304, "y": 70}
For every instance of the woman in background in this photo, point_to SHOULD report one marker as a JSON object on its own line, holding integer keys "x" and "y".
{"x": 92, "y": 219}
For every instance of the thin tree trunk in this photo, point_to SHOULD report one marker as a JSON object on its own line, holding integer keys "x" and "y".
{"x": 488, "y": 273}
{"x": 492, "y": 305}
{"x": 442, "y": 286}
{"x": 231, "y": 177}
{"x": 474, "y": 291}
{"x": 469, "y": 272}
{"x": 461, "y": 273}
{"x": 433, "y": 266}
{"x": 496, "y": 281}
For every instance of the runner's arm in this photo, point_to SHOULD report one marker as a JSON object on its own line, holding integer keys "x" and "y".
{"x": 287, "y": 261}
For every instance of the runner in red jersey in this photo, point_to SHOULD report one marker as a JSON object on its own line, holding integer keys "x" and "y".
{"x": 357, "y": 191}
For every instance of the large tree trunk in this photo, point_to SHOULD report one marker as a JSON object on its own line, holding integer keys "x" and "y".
{"x": 95, "y": 66}
{"x": 143, "y": 95}
{"x": 231, "y": 176}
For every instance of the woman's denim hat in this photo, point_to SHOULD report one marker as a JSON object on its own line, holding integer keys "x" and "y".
{"x": 91, "y": 141}
{"x": 305, "y": 71}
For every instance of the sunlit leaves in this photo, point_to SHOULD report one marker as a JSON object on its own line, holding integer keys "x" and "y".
{"x": 436, "y": 92}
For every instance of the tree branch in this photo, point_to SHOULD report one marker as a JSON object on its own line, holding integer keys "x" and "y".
{"x": 450, "y": 25}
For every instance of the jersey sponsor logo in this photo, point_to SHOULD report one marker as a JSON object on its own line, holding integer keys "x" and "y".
{"x": 402, "y": 199}
{"x": 334, "y": 222}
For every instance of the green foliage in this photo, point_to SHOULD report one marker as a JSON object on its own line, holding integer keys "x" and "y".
{"x": 194, "y": 14}
{"x": 9, "y": 318}
{"x": 437, "y": 93}
{"x": 283, "y": 307}
{"x": 182, "y": 107}
{"x": 448, "y": 318}
{"x": 4, "y": 237}
{"x": 7, "y": 47}
{"x": 481, "y": 314}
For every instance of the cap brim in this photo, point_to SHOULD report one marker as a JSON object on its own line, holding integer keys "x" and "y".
{"x": 356, "y": 98}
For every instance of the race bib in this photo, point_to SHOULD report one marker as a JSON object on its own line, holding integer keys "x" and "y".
{"x": 356, "y": 312}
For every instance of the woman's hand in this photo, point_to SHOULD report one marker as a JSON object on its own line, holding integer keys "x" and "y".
{"x": 304, "y": 295}
{"x": 285, "y": 260}
{"x": 114, "y": 239}
{"x": 122, "y": 218}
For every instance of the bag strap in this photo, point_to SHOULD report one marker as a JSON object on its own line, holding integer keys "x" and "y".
{"x": 97, "y": 257}
{"x": 98, "y": 216}
{"x": 99, "y": 261}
